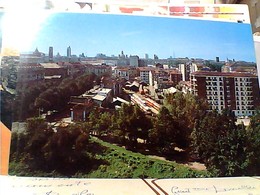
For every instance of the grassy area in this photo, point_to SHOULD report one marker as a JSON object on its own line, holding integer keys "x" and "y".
{"x": 122, "y": 163}
{"x": 111, "y": 161}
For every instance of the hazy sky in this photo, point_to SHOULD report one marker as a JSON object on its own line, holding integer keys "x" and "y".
{"x": 138, "y": 35}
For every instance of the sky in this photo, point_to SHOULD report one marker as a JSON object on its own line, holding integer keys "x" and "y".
{"x": 138, "y": 35}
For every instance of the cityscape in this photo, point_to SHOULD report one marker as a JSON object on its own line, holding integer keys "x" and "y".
{"x": 133, "y": 108}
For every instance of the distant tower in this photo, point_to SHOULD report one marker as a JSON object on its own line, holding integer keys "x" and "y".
{"x": 50, "y": 53}
{"x": 69, "y": 52}
{"x": 217, "y": 59}
{"x": 146, "y": 56}
{"x": 134, "y": 61}
{"x": 37, "y": 53}
{"x": 122, "y": 54}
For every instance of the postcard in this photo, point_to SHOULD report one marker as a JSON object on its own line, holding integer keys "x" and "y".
{"x": 131, "y": 91}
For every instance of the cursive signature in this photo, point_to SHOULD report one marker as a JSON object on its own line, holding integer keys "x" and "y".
{"x": 212, "y": 189}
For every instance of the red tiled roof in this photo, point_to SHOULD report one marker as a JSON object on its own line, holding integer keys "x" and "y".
{"x": 146, "y": 68}
{"x": 174, "y": 72}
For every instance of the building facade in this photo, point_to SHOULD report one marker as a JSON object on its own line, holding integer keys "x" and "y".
{"x": 145, "y": 74}
{"x": 134, "y": 61}
{"x": 50, "y": 53}
{"x": 238, "y": 92}
{"x": 69, "y": 52}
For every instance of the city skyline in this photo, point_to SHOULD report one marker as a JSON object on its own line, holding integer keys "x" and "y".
{"x": 139, "y": 35}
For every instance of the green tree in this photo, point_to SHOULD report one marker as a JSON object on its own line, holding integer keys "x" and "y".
{"x": 165, "y": 134}
{"x": 65, "y": 151}
{"x": 24, "y": 101}
{"x": 254, "y": 144}
{"x": 27, "y": 146}
{"x": 57, "y": 97}
{"x": 185, "y": 109}
{"x": 214, "y": 66}
{"x": 131, "y": 124}
{"x": 221, "y": 144}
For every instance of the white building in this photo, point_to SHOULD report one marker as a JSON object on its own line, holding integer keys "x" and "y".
{"x": 145, "y": 74}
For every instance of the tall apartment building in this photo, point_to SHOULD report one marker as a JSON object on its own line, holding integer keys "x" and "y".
{"x": 69, "y": 52}
{"x": 236, "y": 91}
{"x": 186, "y": 69}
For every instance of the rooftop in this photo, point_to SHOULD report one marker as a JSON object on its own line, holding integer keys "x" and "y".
{"x": 122, "y": 68}
{"x": 50, "y": 65}
{"x": 99, "y": 97}
{"x": 146, "y": 68}
{"x": 104, "y": 90}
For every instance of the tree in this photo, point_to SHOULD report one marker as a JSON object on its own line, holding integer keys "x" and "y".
{"x": 24, "y": 101}
{"x": 165, "y": 134}
{"x": 65, "y": 151}
{"x": 221, "y": 144}
{"x": 104, "y": 123}
{"x": 214, "y": 66}
{"x": 131, "y": 124}
{"x": 254, "y": 144}
{"x": 27, "y": 146}
{"x": 185, "y": 109}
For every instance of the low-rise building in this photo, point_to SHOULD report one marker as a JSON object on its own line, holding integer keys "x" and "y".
{"x": 99, "y": 70}
{"x": 240, "y": 66}
{"x": 53, "y": 71}
{"x": 122, "y": 72}
{"x": 175, "y": 76}
{"x": 29, "y": 74}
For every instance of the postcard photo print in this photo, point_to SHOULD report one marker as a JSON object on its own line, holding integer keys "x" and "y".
{"x": 130, "y": 95}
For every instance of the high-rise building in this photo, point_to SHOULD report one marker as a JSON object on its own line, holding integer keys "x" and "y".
{"x": 236, "y": 91}
{"x": 122, "y": 55}
{"x": 186, "y": 69}
{"x": 134, "y": 61}
{"x": 155, "y": 57}
{"x": 69, "y": 52}
{"x": 50, "y": 53}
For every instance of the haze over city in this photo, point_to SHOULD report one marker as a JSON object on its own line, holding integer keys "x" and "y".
{"x": 139, "y": 35}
